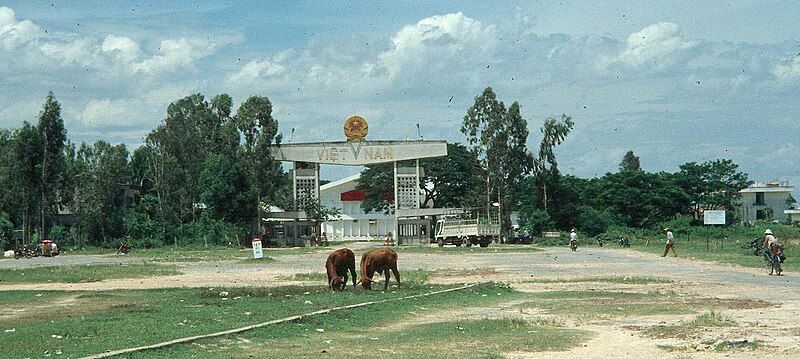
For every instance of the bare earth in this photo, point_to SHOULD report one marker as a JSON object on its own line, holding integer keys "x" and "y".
{"x": 775, "y": 327}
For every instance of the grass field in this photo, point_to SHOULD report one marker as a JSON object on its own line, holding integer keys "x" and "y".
{"x": 84, "y": 273}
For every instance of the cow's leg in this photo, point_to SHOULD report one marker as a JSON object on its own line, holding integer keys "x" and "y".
{"x": 353, "y": 273}
{"x": 386, "y": 279}
{"x": 329, "y": 280}
{"x": 396, "y": 274}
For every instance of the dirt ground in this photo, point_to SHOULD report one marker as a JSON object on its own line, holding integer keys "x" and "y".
{"x": 772, "y": 323}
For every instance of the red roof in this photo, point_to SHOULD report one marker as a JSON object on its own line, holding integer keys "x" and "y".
{"x": 354, "y": 195}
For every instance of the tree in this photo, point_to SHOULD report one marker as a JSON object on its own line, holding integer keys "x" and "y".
{"x": 545, "y": 166}
{"x": 455, "y": 180}
{"x": 53, "y": 137}
{"x": 630, "y": 162}
{"x": 100, "y": 203}
{"x": 260, "y": 131}
{"x": 27, "y": 173}
{"x": 317, "y": 213}
{"x": 790, "y": 201}
{"x": 498, "y": 137}
{"x": 712, "y": 184}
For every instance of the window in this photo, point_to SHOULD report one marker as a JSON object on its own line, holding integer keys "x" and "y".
{"x": 759, "y": 198}
{"x": 760, "y": 214}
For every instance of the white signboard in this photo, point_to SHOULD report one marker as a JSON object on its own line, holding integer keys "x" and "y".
{"x": 257, "y": 251}
{"x": 714, "y": 217}
{"x": 359, "y": 153}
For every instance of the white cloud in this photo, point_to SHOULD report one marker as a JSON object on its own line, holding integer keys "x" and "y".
{"x": 104, "y": 112}
{"x": 789, "y": 71}
{"x": 654, "y": 45}
{"x": 81, "y": 52}
{"x": 268, "y": 67}
{"x": 436, "y": 42}
{"x": 14, "y": 33}
{"x": 123, "y": 48}
{"x": 174, "y": 55}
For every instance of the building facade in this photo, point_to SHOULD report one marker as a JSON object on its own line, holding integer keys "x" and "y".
{"x": 764, "y": 200}
{"x": 353, "y": 222}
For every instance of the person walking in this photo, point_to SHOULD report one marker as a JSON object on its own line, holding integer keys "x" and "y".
{"x": 670, "y": 243}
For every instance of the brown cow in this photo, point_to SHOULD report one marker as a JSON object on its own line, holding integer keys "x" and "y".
{"x": 337, "y": 265}
{"x": 379, "y": 260}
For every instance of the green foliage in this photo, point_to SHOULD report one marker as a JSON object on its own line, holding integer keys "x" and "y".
{"x": 456, "y": 180}
{"x": 712, "y": 184}
{"x": 498, "y": 136}
{"x": 6, "y": 232}
{"x": 535, "y": 220}
{"x": 630, "y": 162}
{"x": 592, "y": 221}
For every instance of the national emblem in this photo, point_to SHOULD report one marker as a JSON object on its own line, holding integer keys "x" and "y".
{"x": 355, "y": 128}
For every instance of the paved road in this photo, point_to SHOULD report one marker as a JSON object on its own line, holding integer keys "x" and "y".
{"x": 550, "y": 263}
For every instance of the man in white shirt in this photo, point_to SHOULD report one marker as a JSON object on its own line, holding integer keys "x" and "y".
{"x": 573, "y": 240}
{"x": 670, "y": 243}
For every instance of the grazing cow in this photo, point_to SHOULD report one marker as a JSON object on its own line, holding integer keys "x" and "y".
{"x": 379, "y": 260}
{"x": 337, "y": 265}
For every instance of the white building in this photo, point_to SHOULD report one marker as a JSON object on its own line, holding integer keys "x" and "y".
{"x": 353, "y": 222}
{"x": 764, "y": 200}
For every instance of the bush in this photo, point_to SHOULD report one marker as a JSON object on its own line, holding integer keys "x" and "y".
{"x": 141, "y": 231}
{"x": 536, "y": 221}
{"x": 61, "y": 236}
{"x": 6, "y": 231}
{"x": 592, "y": 221}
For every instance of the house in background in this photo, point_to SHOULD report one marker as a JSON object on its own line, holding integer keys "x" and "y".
{"x": 353, "y": 222}
{"x": 764, "y": 200}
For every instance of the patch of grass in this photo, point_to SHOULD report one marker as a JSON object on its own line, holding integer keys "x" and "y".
{"x": 704, "y": 320}
{"x": 727, "y": 345}
{"x": 598, "y": 304}
{"x": 100, "y": 321}
{"x": 451, "y": 339}
{"x": 612, "y": 279}
{"x": 252, "y": 260}
{"x": 84, "y": 273}
{"x": 190, "y": 254}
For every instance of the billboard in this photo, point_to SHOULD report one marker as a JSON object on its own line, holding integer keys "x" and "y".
{"x": 714, "y": 217}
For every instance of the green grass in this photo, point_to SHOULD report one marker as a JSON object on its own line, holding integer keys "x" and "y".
{"x": 94, "y": 322}
{"x": 612, "y": 279}
{"x": 84, "y": 273}
{"x": 704, "y": 320}
{"x": 449, "y": 339}
{"x": 603, "y": 304}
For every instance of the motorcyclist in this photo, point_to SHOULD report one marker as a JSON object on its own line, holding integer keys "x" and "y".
{"x": 775, "y": 248}
{"x": 573, "y": 240}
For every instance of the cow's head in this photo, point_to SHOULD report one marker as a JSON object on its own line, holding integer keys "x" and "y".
{"x": 366, "y": 282}
{"x": 337, "y": 283}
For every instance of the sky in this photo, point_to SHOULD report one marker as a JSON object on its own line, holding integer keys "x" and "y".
{"x": 674, "y": 81}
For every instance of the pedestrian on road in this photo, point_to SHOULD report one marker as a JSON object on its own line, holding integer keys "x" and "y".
{"x": 670, "y": 243}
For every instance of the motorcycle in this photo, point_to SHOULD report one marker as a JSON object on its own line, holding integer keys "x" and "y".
{"x": 624, "y": 242}
{"x": 774, "y": 262}
{"x": 573, "y": 244}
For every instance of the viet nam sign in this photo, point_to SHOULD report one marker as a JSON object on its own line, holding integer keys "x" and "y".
{"x": 714, "y": 217}
{"x": 359, "y": 153}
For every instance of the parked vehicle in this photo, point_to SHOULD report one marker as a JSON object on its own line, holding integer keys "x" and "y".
{"x": 454, "y": 229}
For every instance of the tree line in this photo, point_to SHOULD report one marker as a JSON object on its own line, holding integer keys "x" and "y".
{"x": 205, "y": 175}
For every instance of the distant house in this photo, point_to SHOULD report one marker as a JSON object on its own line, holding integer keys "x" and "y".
{"x": 353, "y": 222}
{"x": 764, "y": 200}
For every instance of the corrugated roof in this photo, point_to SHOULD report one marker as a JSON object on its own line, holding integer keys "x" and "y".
{"x": 340, "y": 182}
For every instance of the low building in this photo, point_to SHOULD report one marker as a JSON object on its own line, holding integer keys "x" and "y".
{"x": 793, "y": 215}
{"x": 765, "y": 200}
{"x": 353, "y": 222}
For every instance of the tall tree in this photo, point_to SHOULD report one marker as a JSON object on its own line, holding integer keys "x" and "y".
{"x": 498, "y": 137}
{"x": 712, "y": 184}
{"x": 545, "y": 165}
{"x": 630, "y": 162}
{"x": 27, "y": 173}
{"x": 53, "y": 136}
{"x": 260, "y": 131}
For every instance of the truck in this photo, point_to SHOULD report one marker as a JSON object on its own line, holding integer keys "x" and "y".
{"x": 457, "y": 230}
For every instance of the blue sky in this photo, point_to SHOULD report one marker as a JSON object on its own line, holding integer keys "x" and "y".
{"x": 674, "y": 81}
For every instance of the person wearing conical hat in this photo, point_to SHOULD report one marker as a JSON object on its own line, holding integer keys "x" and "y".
{"x": 670, "y": 243}
{"x": 573, "y": 240}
